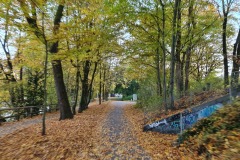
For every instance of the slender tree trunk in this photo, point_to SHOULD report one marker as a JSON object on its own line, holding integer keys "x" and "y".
{"x": 20, "y": 90}
{"x": 164, "y": 56}
{"x": 45, "y": 82}
{"x": 224, "y": 45}
{"x": 21, "y": 86}
{"x": 76, "y": 90}
{"x": 173, "y": 47}
{"x": 157, "y": 56}
{"x": 179, "y": 63}
{"x": 189, "y": 47}
{"x": 235, "y": 68}
{"x": 91, "y": 82}
{"x": 159, "y": 86}
{"x": 103, "y": 92}
{"x": 100, "y": 85}
{"x": 104, "y": 83}
{"x": 187, "y": 67}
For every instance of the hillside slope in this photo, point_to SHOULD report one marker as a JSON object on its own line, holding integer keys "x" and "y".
{"x": 218, "y": 136}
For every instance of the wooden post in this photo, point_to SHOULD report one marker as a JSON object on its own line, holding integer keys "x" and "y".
{"x": 31, "y": 112}
{"x": 18, "y": 114}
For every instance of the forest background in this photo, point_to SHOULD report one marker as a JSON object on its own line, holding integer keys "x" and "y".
{"x": 68, "y": 52}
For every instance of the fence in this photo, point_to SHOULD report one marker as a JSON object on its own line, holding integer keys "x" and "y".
{"x": 27, "y": 111}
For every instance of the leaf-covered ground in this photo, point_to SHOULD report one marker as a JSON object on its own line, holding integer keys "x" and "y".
{"x": 77, "y": 139}
{"x": 158, "y": 146}
{"x": 107, "y": 131}
{"x": 216, "y": 137}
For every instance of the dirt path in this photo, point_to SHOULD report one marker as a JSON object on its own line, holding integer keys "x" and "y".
{"x": 10, "y": 127}
{"x": 104, "y": 133}
{"x": 119, "y": 141}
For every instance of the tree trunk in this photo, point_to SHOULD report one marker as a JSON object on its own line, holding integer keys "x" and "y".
{"x": 21, "y": 94}
{"x": 164, "y": 56}
{"x": 85, "y": 87}
{"x": 84, "y": 97}
{"x": 174, "y": 40}
{"x": 104, "y": 84}
{"x": 45, "y": 84}
{"x": 235, "y": 68}
{"x": 187, "y": 67}
{"x": 179, "y": 63}
{"x": 91, "y": 82}
{"x": 76, "y": 90}
{"x": 189, "y": 47}
{"x": 65, "y": 110}
{"x": 224, "y": 45}
{"x": 100, "y": 85}
{"x": 159, "y": 86}
{"x": 64, "y": 106}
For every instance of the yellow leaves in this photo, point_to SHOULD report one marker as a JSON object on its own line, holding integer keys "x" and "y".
{"x": 235, "y": 150}
{"x": 220, "y": 136}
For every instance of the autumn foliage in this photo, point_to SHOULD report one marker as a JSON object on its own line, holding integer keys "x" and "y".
{"x": 216, "y": 137}
{"x": 158, "y": 146}
{"x": 65, "y": 140}
{"x": 87, "y": 137}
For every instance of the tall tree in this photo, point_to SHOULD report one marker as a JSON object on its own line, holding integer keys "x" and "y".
{"x": 226, "y": 8}
{"x": 65, "y": 110}
{"x": 173, "y": 51}
{"x": 179, "y": 61}
{"x": 8, "y": 70}
{"x": 164, "y": 53}
{"x": 191, "y": 25}
{"x": 236, "y": 62}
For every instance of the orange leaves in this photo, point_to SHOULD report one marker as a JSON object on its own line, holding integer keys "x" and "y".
{"x": 158, "y": 146}
{"x": 90, "y": 136}
{"x": 218, "y": 135}
{"x": 69, "y": 139}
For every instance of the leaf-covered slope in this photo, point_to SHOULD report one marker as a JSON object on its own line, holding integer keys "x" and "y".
{"x": 217, "y": 136}
{"x": 181, "y": 104}
{"x": 158, "y": 146}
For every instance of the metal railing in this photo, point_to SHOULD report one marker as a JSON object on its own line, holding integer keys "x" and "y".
{"x": 26, "y": 111}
